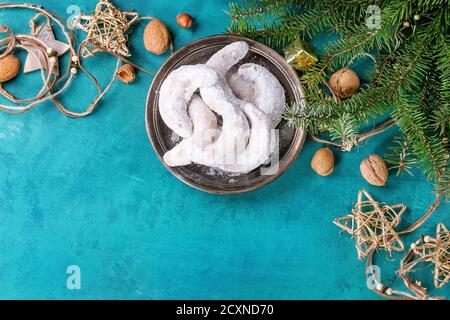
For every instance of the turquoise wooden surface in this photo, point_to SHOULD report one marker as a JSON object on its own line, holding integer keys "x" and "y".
{"x": 91, "y": 192}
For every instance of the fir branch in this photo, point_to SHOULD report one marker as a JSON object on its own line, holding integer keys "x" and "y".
{"x": 412, "y": 79}
{"x": 400, "y": 158}
{"x": 441, "y": 112}
{"x": 410, "y": 68}
{"x": 427, "y": 150}
{"x": 345, "y": 128}
{"x": 260, "y": 18}
{"x": 256, "y": 9}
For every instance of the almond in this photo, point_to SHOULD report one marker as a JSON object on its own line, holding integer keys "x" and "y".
{"x": 374, "y": 170}
{"x": 323, "y": 162}
{"x": 9, "y": 67}
{"x": 157, "y": 37}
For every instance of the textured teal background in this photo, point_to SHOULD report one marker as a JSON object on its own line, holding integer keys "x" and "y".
{"x": 91, "y": 192}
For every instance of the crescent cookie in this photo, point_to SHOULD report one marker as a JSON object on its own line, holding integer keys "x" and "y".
{"x": 258, "y": 149}
{"x": 244, "y": 90}
{"x": 246, "y": 94}
{"x": 268, "y": 93}
{"x": 220, "y": 98}
{"x": 176, "y": 93}
{"x": 227, "y": 146}
{"x": 205, "y": 133}
{"x": 235, "y": 129}
{"x": 224, "y": 59}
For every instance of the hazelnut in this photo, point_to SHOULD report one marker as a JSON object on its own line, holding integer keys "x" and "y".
{"x": 323, "y": 162}
{"x": 9, "y": 67}
{"x": 184, "y": 20}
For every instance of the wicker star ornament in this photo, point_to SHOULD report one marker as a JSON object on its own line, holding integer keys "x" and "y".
{"x": 106, "y": 29}
{"x": 434, "y": 250}
{"x": 373, "y": 225}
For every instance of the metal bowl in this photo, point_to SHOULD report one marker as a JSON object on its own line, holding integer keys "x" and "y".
{"x": 211, "y": 179}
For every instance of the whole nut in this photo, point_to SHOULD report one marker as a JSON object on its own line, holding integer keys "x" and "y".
{"x": 323, "y": 162}
{"x": 157, "y": 37}
{"x": 184, "y": 20}
{"x": 374, "y": 170}
{"x": 9, "y": 67}
{"x": 344, "y": 83}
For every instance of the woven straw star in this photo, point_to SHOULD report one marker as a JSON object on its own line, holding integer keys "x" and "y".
{"x": 373, "y": 225}
{"x": 106, "y": 29}
{"x": 437, "y": 251}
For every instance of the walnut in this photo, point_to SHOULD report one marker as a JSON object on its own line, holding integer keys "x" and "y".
{"x": 344, "y": 83}
{"x": 374, "y": 170}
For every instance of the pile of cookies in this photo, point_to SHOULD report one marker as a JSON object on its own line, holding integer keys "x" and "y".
{"x": 226, "y": 115}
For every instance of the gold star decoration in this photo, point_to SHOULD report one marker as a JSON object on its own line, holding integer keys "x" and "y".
{"x": 435, "y": 250}
{"x": 106, "y": 29}
{"x": 373, "y": 225}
